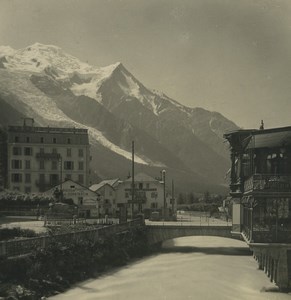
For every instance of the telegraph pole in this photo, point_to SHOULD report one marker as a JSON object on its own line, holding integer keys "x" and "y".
{"x": 132, "y": 183}
{"x": 164, "y": 181}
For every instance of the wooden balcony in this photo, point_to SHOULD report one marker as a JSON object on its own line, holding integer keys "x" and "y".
{"x": 268, "y": 183}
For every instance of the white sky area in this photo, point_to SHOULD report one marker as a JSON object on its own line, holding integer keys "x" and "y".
{"x": 229, "y": 56}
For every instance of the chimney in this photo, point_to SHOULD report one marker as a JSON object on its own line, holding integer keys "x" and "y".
{"x": 29, "y": 122}
{"x": 262, "y": 125}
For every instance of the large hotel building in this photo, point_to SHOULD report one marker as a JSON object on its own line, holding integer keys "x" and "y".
{"x": 40, "y": 158}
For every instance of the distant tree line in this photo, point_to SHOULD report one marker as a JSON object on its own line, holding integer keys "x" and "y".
{"x": 206, "y": 197}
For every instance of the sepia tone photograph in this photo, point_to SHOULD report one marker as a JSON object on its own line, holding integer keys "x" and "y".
{"x": 145, "y": 149}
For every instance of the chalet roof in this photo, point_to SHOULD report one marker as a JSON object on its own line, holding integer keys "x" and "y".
{"x": 59, "y": 186}
{"x": 270, "y": 139}
{"x": 254, "y": 138}
{"x": 111, "y": 182}
{"x": 142, "y": 177}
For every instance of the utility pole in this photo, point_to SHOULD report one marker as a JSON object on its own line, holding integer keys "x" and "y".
{"x": 132, "y": 182}
{"x": 164, "y": 182}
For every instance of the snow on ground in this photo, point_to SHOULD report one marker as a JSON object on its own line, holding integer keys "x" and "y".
{"x": 97, "y": 136}
{"x": 36, "y": 226}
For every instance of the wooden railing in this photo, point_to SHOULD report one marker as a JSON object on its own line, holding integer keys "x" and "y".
{"x": 268, "y": 182}
{"x": 28, "y": 245}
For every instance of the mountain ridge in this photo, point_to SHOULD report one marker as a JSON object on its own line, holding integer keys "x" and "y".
{"x": 118, "y": 108}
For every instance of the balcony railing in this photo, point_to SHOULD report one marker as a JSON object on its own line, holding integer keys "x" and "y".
{"x": 268, "y": 182}
{"x": 48, "y": 156}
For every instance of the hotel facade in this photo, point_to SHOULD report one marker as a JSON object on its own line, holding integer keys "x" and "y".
{"x": 40, "y": 158}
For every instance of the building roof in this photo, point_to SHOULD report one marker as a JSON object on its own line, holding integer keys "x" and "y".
{"x": 48, "y": 129}
{"x": 68, "y": 180}
{"x": 111, "y": 182}
{"x": 270, "y": 140}
{"x": 254, "y": 138}
{"x": 142, "y": 177}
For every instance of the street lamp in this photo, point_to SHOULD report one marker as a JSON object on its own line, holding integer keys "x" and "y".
{"x": 164, "y": 182}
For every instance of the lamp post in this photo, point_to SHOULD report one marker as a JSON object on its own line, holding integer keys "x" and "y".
{"x": 61, "y": 177}
{"x": 164, "y": 182}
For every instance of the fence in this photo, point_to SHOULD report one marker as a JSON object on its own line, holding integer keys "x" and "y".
{"x": 26, "y": 246}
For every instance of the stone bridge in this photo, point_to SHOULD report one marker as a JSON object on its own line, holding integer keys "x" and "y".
{"x": 159, "y": 233}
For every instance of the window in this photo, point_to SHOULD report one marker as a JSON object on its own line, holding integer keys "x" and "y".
{"x": 81, "y": 165}
{"x": 54, "y": 150}
{"x": 54, "y": 140}
{"x": 27, "y": 178}
{"x": 154, "y": 195}
{"x": 54, "y": 179}
{"x": 27, "y": 189}
{"x": 68, "y": 176}
{"x": 54, "y": 164}
{"x": 41, "y": 150}
{"x": 16, "y": 164}
{"x": 140, "y": 185}
{"x": 147, "y": 185}
{"x": 16, "y": 150}
{"x": 16, "y": 139}
{"x": 28, "y": 151}
{"x": 81, "y": 178}
{"x": 69, "y": 152}
{"x": 27, "y": 164}
{"x": 154, "y": 205}
{"x": 27, "y": 139}
{"x": 68, "y": 165}
{"x": 41, "y": 164}
{"x": 126, "y": 195}
{"x": 80, "y": 200}
{"x": 16, "y": 177}
{"x": 42, "y": 140}
{"x": 41, "y": 178}
{"x": 69, "y": 141}
{"x": 81, "y": 153}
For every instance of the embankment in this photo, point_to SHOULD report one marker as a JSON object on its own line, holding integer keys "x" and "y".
{"x": 56, "y": 268}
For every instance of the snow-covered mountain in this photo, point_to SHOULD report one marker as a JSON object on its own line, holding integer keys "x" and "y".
{"x": 55, "y": 88}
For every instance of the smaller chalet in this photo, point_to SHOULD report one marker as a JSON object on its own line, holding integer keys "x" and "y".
{"x": 107, "y": 196}
{"x": 85, "y": 199}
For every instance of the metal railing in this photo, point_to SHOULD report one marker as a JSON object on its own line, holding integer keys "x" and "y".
{"x": 193, "y": 220}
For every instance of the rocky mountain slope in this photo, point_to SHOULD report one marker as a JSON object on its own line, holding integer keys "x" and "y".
{"x": 55, "y": 88}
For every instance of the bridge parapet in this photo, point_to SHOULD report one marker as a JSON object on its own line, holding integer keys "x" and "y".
{"x": 159, "y": 233}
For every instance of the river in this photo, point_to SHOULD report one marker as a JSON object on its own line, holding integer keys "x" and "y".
{"x": 197, "y": 268}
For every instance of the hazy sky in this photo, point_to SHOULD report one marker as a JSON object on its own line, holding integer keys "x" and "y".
{"x": 231, "y": 56}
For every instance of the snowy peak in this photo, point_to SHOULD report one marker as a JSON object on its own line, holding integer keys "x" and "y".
{"x": 6, "y": 50}
{"x": 39, "y": 57}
